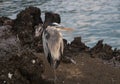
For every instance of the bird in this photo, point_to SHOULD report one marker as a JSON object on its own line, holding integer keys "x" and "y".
{"x": 52, "y": 41}
{"x": 53, "y": 44}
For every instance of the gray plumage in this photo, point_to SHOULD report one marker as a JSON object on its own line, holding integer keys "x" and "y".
{"x": 52, "y": 44}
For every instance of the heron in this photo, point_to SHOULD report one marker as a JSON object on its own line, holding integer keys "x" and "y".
{"x": 52, "y": 43}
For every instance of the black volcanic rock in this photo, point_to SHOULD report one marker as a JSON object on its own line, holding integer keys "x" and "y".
{"x": 51, "y": 17}
{"x": 18, "y": 64}
{"x": 8, "y": 41}
{"x": 78, "y": 45}
{"x": 21, "y": 68}
{"x": 73, "y": 49}
{"x": 116, "y": 54}
{"x": 101, "y": 50}
{"x": 5, "y": 21}
{"x": 24, "y": 24}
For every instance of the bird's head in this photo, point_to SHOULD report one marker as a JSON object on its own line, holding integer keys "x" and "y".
{"x": 38, "y": 30}
{"x": 60, "y": 27}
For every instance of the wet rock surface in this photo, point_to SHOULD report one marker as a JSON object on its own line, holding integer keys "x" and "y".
{"x": 21, "y": 64}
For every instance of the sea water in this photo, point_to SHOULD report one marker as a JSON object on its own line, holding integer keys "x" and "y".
{"x": 93, "y": 20}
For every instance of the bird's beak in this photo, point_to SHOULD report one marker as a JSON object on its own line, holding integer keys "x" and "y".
{"x": 60, "y": 27}
{"x": 67, "y": 29}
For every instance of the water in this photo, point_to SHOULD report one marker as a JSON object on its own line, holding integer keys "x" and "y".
{"x": 92, "y": 19}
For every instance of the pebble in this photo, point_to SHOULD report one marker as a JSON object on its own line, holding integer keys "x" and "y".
{"x": 33, "y": 61}
{"x": 10, "y": 75}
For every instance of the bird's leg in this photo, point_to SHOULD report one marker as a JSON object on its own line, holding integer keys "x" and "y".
{"x": 55, "y": 77}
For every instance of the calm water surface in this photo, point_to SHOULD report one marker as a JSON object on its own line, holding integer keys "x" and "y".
{"x": 92, "y": 19}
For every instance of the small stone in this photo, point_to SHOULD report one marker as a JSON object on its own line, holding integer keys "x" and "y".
{"x": 4, "y": 81}
{"x": 33, "y": 61}
{"x": 10, "y": 75}
{"x": 63, "y": 81}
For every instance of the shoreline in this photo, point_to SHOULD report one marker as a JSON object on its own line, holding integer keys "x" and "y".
{"x": 22, "y": 58}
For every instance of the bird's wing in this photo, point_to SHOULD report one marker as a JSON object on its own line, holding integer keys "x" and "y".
{"x": 45, "y": 44}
